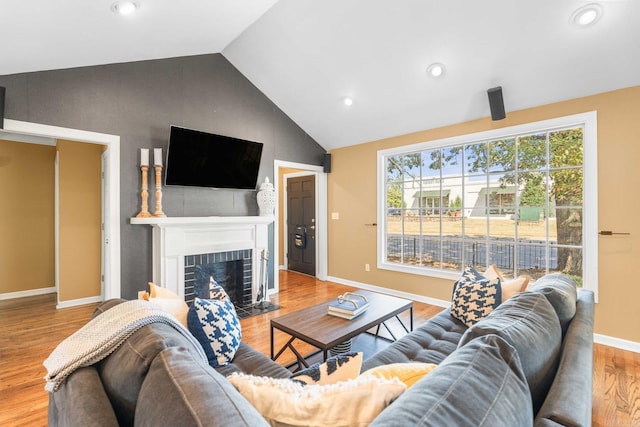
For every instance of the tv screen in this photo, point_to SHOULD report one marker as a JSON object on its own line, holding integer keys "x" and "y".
{"x": 201, "y": 159}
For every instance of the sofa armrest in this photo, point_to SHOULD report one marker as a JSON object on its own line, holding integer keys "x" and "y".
{"x": 568, "y": 402}
{"x": 83, "y": 386}
{"x": 106, "y": 305}
{"x": 182, "y": 391}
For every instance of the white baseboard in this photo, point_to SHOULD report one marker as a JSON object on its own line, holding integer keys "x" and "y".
{"x": 392, "y": 292}
{"x": 617, "y": 343}
{"x": 282, "y": 267}
{"x": 29, "y": 293}
{"x": 81, "y": 301}
{"x": 598, "y": 338}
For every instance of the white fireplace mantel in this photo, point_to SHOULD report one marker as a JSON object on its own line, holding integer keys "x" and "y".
{"x": 176, "y": 237}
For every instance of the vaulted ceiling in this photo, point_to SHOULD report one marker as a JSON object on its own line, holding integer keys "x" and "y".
{"x": 308, "y": 55}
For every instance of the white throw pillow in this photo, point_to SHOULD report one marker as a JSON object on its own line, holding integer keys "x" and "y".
{"x": 284, "y": 402}
{"x": 170, "y": 302}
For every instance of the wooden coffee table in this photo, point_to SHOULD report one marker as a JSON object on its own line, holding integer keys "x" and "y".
{"x": 314, "y": 326}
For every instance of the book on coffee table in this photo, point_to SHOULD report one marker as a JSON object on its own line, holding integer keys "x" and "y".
{"x": 344, "y": 315}
{"x": 348, "y": 305}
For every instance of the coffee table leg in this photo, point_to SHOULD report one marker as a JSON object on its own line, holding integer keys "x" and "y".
{"x": 410, "y": 321}
{"x": 284, "y": 347}
{"x": 411, "y": 317}
{"x": 389, "y": 330}
{"x": 271, "y": 342}
{"x": 300, "y": 357}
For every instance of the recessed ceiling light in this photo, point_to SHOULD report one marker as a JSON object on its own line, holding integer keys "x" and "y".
{"x": 124, "y": 7}
{"x": 436, "y": 70}
{"x": 586, "y": 15}
{"x": 348, "y": 101}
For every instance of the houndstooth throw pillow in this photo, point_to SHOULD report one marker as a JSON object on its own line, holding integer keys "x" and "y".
{"x": 215, "y": 324}
{"x": 475, "y": 296}
{"x": 216, "y": 291}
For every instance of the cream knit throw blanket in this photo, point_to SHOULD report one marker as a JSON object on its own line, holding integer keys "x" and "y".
{"x": 102, "y": 335}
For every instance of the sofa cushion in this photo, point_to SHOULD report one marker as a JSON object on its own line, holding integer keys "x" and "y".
{"x": 180, "y": 391}
{"x": 475, "y": 296}
{"x": 431, "y": 342}
{"x": 561, "y": 292}
{"x": 123, "y": 372}
{"x": 337, "y": 368}
{"x": 481, "y": 384}
{"x": 215, "y": 324}
{"x": 285, "y": 402}
{"x": 529, "y": 323}
{"x": 250, "y": 361}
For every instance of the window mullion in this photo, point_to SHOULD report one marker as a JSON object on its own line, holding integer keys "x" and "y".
{"x": 548, "y": 205}
{"x": 402, "y": 211}
{"x": 463, "y": 236}
{"x": 487, "y": 215}
{"x": 516, "y": 202}
{"x": 421, "y": 210}
{"x": 440, "y": 235}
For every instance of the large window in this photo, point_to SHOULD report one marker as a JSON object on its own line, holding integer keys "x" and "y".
{"x": 524, "y": 198}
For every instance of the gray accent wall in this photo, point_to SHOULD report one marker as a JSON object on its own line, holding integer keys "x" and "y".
{"x": 139, "y": 101}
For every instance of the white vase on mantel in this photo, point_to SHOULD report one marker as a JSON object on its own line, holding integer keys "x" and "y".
{"x": 266, "y": 198}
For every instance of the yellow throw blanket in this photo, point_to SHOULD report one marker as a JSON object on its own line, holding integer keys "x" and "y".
{"x": 102, "y": 335}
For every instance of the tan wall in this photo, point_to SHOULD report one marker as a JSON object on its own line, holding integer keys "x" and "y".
{"x": 80, "y": 219}
{"x": 352, "y": 193}
{"x": 27, "y": 244}
{"x": 281, "y": 202}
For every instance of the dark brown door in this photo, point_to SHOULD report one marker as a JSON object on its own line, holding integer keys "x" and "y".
{"x": 301, "y": 224}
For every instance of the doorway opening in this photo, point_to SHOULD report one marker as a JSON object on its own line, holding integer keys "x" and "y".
{"x": 319, "y": 242}
{"x": 110, "y": 239}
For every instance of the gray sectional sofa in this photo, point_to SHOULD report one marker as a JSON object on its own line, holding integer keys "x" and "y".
{"x": 529, "y": 362}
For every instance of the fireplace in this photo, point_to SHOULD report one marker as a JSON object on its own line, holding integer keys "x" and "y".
{"x": 230, "y": 269}
{"x": 178, "y": 240}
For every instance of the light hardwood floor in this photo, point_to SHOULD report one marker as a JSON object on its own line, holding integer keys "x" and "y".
{"x": 30, "y": 328}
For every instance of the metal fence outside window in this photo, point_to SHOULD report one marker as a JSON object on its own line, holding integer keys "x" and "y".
{"x": 532, "y": 254}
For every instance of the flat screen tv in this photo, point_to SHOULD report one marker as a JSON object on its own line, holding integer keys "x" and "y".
{"x": 201, "y": 159}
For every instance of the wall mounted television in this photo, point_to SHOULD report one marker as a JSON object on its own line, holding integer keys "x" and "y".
{"x": 201, "y": 159}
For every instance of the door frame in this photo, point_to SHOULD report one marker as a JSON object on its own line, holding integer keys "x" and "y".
{"x": 321, "y": 218}
{"x": 285, "y": 213}
{"x": 39, "y": 133}
{"x": 104, "y": 228}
